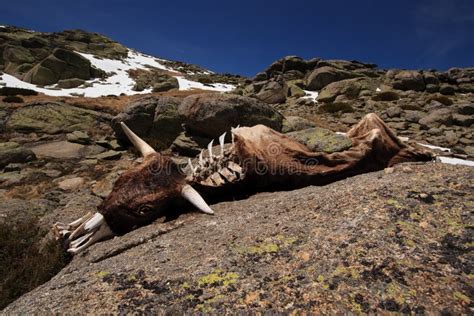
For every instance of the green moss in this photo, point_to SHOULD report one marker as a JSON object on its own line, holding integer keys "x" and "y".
{"x": 351, "y": 272}
{"x": 261, "y": 249}
{"x": 399, "y": 293}
{"x": 102, "y": 274}
{"x": 461, "y": 297}
{"x": 218, "y": 277}
{"x": 320, "y": 278}
{"x": 394, "y": 203}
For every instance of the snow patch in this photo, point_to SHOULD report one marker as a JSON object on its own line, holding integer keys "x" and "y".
{"x": 435, "y": 147}
{"x": 310, "y": 95}
{"x": 3, "y": 27}
{"x": 456, "y": 161}
{"x": 185, "y": 84}
{"x": 118, "y": 81}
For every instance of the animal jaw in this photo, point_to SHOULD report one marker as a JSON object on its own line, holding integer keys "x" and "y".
{"x": 258, "y": 158}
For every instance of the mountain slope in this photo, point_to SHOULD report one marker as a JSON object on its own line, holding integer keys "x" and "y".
{"x": 77, "y": 63}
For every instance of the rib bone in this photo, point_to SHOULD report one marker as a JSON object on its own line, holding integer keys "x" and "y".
{"x": 221, "y": 143}
{"x": 209, "y": 148}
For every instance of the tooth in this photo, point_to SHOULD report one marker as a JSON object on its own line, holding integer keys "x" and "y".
{"x": 77, "y": 242}
{"x": 103, "y": 232}
{"x": 209, "y": 148}
{"x": 80, "y": 224}
{"x": 94, "y": 222}
{"x": 221, "y": 142}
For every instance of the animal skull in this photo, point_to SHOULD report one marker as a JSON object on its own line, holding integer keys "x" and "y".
{"x": 257, "y": 159}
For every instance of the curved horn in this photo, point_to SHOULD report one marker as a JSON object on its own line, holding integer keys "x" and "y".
{"x": 196, "y": 199}
{"x": 139, "y": 143}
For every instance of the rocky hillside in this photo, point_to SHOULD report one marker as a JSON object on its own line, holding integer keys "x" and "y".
{"x": 398, "y": 240}
{"x": 429, "y": 105}
{"x": 77, "y": 63}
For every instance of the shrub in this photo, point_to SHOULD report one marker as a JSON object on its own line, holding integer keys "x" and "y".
{"x": 7, "y": 91}
{"x": 13, "y": 99}
{"x": 24, "y": 263}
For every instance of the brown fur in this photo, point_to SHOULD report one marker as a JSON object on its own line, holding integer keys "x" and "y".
{"x": 142, "y": 194}
{"x": 270, "y": 160}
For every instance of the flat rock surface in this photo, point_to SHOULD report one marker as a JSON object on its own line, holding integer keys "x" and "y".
{"x": 399, "y": 240}
{"x": 64, "y": 150}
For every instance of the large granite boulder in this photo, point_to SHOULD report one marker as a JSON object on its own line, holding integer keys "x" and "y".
{"x": 409, "y": 80}
{"x": 349, "y": 89}
{"x": 52, "y": 118}
{"x": 436, "y": 118}
{"x": 273, "y": 91}
{"x": 321, "y": 77}
{"x": 154, "y": 118}
{"x": 61, "y": 64}
{"x": 211, "y": 114}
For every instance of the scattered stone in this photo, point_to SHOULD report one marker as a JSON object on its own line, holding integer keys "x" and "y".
{"x": 463, "y": 120}
{"x": 189, "y": 145}
{"x": 446, "y": 89}
{"x": 71, "y": 184}
{"x": 166, "y": 84}
{"x": 465, "y": 109}
{"x": 393, "y": 111}
{"x": 296, "y": 123}
{"x": 13, "y": 167}
{"x": 70, "y": 83}
{"x": 432, "y": 88}
{"x": 109, "y": 155}
{"x": 413, "y": 116}
{"x": 436, "y": 118}
{"x": 386, "y": 96}
{"x": 11, "y": 152}
{"x": 79, "y": 137}
{"x": 409, "y": 80}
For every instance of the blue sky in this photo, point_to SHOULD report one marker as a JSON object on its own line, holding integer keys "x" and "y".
{"x": 243, "y": 37}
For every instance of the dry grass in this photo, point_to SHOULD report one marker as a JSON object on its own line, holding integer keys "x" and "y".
{"x": 109, "y": 104}
{"x": 24, "y": 264}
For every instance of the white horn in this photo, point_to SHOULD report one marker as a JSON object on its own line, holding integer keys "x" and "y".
{"x": 196, "y": 199}
{"x": 139, "y": 143}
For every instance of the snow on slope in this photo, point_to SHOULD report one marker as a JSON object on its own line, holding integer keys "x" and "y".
{"x": 117, "y": 82}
